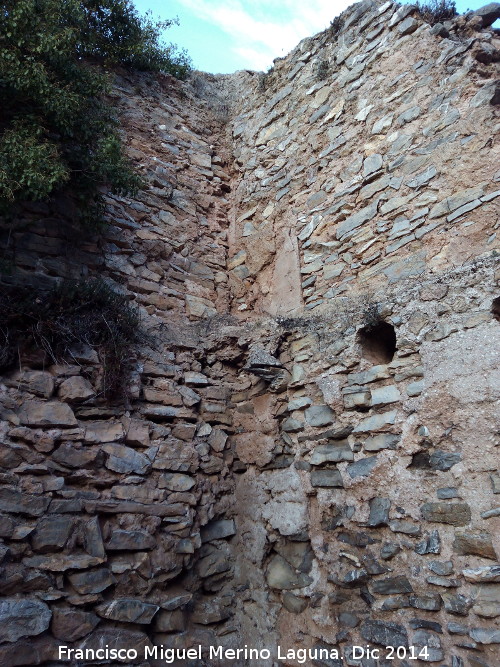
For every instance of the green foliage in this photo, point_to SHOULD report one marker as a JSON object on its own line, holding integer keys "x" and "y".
{"x": 322, "y": 70}
{"x": 265, "y": 79}
{"x": 75, "y": 312}
{"x": 437, "y": 11}
{"x": 336, "y": 25}
{"x": 117, "y": 33}
{"x": 55, "y": 128}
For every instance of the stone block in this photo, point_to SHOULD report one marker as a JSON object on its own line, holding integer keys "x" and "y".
{"x": 40, "y": 383}
{"x": 282, "y": 576}
{"x": 218, "y": 530}
{"x": 384, "y": 633}
{"x": 175, "y": 481}
{"x": 327, "y": 478}
{"x": 103, "y": 431}
{"x": 51, "y": 413}
{"x": 381, "y": 441}
{"x": 22, "y": 618}
{"x": 124, "y": 459}
{"x": 75, "y": 389}
{"x": 455, "y": 514}
{"x": 332, "y": 452}
{"x": 391, "y": 586}
{"x": 486, "y": 600}
{"x": 379, "y": 512}
{"x": 51, "y": 534}
{"x": 362, "y": 467}
{"x": 69, "y": 624}
{"x": 477, "y": 543}
{"x": 128, "y": 610}
{"x": 130, "y": 540}
{"x": 92, "y": 581}
{"x": 376, "y": 422}
{"x": 18, "y": 502}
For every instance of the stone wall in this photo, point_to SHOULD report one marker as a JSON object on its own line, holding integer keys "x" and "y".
{"x": 109, "y": 510}
{"x": 308, "y": 452}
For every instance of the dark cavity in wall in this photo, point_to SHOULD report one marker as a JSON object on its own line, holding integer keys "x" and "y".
{"x": 495, "y": 308}
{"x": 378, "y": 342}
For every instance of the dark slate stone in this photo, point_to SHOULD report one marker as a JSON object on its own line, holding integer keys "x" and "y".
{"x": 457, "y": 604}
{"x": 334, "y": 518}
{"x": 389, "y": 550}
{"x": 353, "y": 578}
{"x": 379, "y": 512}
{"x": 394, "y": 602}
{"x": 327, "y": 478}
{"x": 447, "y": 492}
{"x": 428, "y": 602}
{"x": 52, "y": 533}
{"x": 431, "y": 544}
{"x": 279, "y": 462}
{"x": 373, "y": 566}
{"x": 420, "y": 623}
{"x": 348, "y": 620}
{"x": 478, "y": 543}
{"x": 485, "y": 635}
{"x": 363, "y": 467}
{"x": 22, "y": 503}
{"x": 457, "y": 629}
{"x": 92, "y": 581}
{"x": 366, "y": 596}
{"x": 432, "y": 644}
{"x": 130, "y": 540}
{"x": 454, "y": 514}
{"x": 384, "y": 634}
{"x": 356, "y": 539}
{"x": 128, "y": 611}
{"x": 322, "y": 111}
{"x": 69, "y": 624}
{"x": 442, "y": 568}
{"x": 441, "y": 460}
{"x": 22, "y": 618}
{"x": 392, "y": 585}
{"x": 218, "y": 530}
{"x": 489, "y": 13}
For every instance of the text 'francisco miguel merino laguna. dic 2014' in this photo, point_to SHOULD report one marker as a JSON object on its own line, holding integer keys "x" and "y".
{"x": 301, "y": 655}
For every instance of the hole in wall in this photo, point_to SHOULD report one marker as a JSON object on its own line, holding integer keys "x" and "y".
{"x": 495, "y": 308}
{"x": 378, "y": 343}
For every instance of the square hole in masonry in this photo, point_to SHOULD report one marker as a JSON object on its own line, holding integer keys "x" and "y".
{"x": 378, "y": 342}
{"x": 495, "y": 308}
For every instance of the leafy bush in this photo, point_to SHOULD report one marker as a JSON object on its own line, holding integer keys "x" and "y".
{"x": 55, "y": 128}
{"x": 322, "y": 70}
{"x": 116, "y": 33}
{"x": 75, "y": 312}
{"x": 437, "y": 11}
{"x": 336, "y": 26}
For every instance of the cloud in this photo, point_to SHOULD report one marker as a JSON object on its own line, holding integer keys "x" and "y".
{"x": 260, "y": 31}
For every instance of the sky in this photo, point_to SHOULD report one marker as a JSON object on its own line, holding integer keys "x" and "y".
{"x": 223, "y": 36}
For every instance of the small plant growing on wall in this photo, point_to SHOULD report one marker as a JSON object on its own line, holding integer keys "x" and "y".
{"x": 265, "y": 79}
{"x": 57, "y": 131}
{"x": 437, "y": 11}
{"x": 322, "y": 69}
{"x": 74, "y": 312}
{"x": 336, "y": 26}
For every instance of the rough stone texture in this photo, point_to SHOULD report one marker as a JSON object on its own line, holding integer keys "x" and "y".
{"x": 22, "y": 618}
{"x": 274, "y": 477}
